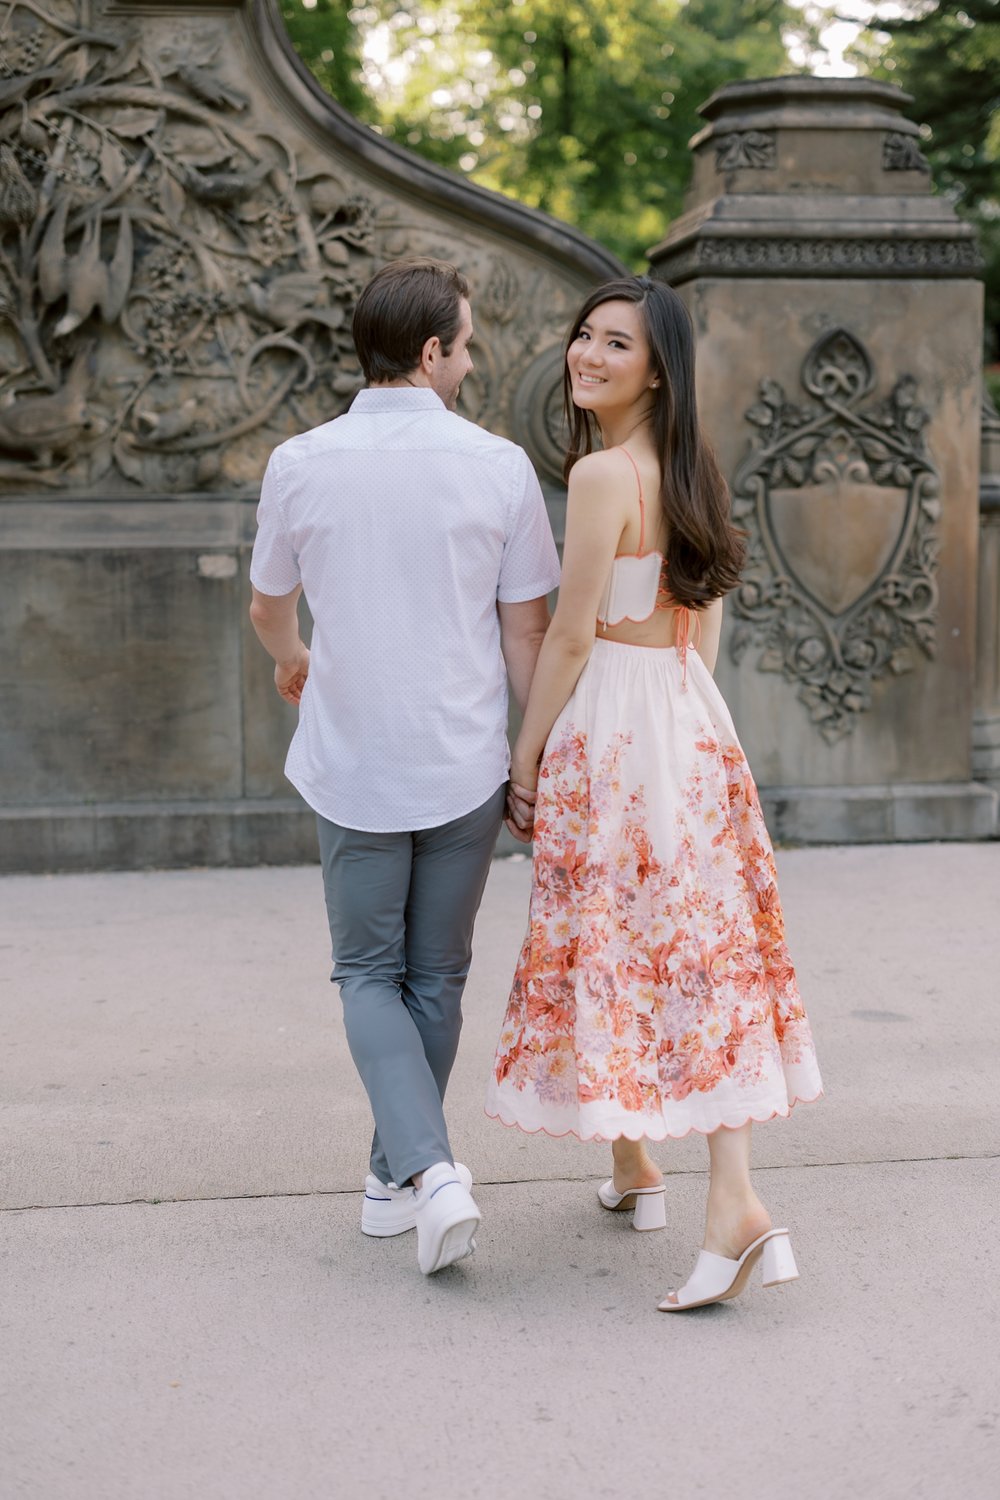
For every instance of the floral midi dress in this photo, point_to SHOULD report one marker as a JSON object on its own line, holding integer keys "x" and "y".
{"x": 654, "y": 994}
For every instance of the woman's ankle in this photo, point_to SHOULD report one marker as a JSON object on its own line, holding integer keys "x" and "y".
{"x": 633, "y": 1167}
{"x": 733, "y": 1221}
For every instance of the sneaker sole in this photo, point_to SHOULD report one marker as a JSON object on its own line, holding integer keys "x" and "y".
{"x": 456, "y": 1242}
{"x": 385, "y": 1231}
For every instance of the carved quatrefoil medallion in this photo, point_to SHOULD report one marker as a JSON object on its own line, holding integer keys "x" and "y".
{"x": 840, "y": 503}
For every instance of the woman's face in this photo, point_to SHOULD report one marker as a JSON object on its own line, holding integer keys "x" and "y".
{"x": 609, "y": 360}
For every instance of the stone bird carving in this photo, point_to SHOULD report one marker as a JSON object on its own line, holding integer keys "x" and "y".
{"x": 87, "y": 280}
{"x": 44, "y": 425}
{"x": 225, "y": 187}
{"x": 18, "y": 200}
{"x": 165, "y": 426}
{"x": 294, "y": 298}
{"x": 212, "y": 90}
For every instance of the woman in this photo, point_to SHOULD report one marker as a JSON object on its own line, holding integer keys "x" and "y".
{"x": 654, "y": 994}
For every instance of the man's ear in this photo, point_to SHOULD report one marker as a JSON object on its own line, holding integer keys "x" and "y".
{"x": 430, "y": 353}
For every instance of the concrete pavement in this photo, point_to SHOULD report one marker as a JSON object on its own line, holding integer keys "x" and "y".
{"x": 187, "y": 1307}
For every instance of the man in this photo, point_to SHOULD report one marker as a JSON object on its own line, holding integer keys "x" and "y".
{"x": 424, "y": 552}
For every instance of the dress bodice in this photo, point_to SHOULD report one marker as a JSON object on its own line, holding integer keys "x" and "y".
{"x": 636, "y": 582}
{"x": 632, "y": 589}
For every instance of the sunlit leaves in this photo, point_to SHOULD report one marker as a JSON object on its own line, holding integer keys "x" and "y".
{"x": 579, "y": 107}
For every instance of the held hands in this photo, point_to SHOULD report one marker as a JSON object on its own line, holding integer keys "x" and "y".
{"x": 290, "y": 677}
{"x": 521, "y": 794}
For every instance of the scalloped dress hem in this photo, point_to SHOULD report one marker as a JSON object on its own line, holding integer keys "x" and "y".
{"x": 502, "y": 1118}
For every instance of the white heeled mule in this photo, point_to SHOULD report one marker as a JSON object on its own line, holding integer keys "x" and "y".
{"x": 650, "y": 1204}
{"x": 716, "y": 1279}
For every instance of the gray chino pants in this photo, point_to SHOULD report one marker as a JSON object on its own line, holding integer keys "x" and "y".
{"x": 402, "y": 907}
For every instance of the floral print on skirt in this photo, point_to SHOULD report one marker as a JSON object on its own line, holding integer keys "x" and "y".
{"x": 654, "y": 994}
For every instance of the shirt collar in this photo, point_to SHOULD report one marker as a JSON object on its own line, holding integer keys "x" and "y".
{"x": 397, "y": 398}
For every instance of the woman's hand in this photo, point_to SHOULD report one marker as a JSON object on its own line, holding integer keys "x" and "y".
{"x": 520, "y": 815}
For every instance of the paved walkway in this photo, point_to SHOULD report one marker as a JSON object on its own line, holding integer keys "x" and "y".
{"x": 188, "y": 1309}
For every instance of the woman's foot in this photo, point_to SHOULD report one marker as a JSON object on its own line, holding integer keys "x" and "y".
{"x": 717, "y": 1278}
{"x": 633, "y": 1167}
{"x": 733, "y": 1222}
{"x": 735, "y": 1217}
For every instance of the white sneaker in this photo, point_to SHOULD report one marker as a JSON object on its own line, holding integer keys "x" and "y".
{"x": 387, "y": 1210}
{"x": 447, "y": 1219}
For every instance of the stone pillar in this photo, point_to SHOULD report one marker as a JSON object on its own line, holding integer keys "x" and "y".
{"x": 839, "y": 322}
{"x": 986, "y": 719}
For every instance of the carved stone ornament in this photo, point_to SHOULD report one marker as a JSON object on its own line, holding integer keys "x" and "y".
{"x": 840, "y": 503}
{"x": 180, "y": 256}
{"x": 900, "y": 153}
{"x": 753, "y": 149}
{"x": 729, "y": 255}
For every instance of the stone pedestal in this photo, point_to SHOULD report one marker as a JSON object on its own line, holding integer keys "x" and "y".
{"x": 839, "y": 325}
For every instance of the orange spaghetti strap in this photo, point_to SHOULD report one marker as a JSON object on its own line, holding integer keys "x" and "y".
{"x": 642, "y": 507}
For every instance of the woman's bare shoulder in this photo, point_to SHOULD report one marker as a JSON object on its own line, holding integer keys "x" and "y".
{"x": 598, "y": 471}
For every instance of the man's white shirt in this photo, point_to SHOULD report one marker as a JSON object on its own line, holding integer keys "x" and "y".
{"x": 405, "y": 525}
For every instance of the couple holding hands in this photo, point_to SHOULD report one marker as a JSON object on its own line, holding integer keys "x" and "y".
{"x": 654, "y": 994}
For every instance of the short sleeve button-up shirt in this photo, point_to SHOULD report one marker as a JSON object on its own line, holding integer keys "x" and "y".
{"x": 405, "y": 525}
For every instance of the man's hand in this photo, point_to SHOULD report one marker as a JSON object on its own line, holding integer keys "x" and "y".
{"x": 520, "y": 815}
{"x": 275, "y": 618}
{"x": 290, "y": 677}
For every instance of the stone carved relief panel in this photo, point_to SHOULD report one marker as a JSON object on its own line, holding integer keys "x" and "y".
{"x": 839, "y": 499}
{"x": 178, "y": 269}
{"x": 731, "y": 255}
{"x": 754, "y": 149}
{"x": 901, "y": 153}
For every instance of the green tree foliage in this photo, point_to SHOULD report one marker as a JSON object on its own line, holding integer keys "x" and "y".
{"x": 580, "y": 107}
{"x": 329, "y": 43}
{"x": 946, "y": 53}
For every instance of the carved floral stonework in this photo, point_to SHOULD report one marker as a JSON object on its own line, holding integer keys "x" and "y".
{"x": 178, "y": 268}
{"x": 900, "y": 153}
{"x": 753, "y": 149}
{"x": 733, "y": 255}
{"x": 835, "y": 606}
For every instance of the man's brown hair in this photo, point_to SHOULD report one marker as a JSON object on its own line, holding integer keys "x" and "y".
{"x": 404, "y": 305}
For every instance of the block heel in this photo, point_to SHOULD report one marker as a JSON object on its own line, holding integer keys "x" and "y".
{"x": 777, "y": 1260}
{"x": 650, "y": 1204}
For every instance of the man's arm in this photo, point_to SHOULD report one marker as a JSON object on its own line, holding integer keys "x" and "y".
{"x": 522, "y": 630}
{"x": 275, "y": 618}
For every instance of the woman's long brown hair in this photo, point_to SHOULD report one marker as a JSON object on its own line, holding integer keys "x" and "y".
{"x": 704, "y": 549}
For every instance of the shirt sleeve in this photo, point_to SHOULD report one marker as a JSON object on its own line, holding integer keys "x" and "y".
{"x": 530, "y": 564}
{"x": 274, "y": 567}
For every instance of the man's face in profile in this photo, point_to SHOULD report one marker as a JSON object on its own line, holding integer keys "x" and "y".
{"x": 451, "y": 369}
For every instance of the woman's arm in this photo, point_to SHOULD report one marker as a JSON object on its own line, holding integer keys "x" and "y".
{"x": 596, "y": 516}
{"x": 711, "y": 629}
